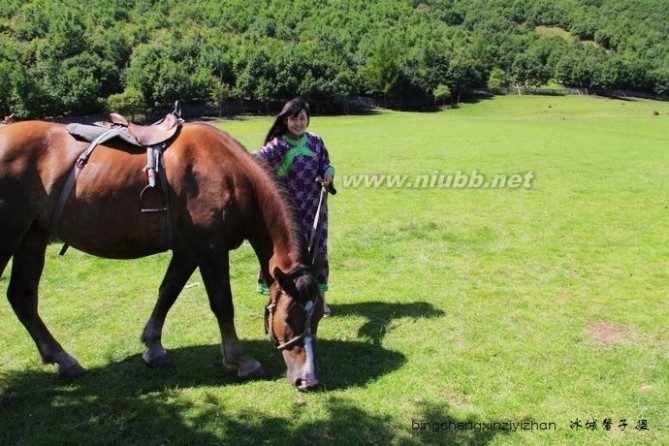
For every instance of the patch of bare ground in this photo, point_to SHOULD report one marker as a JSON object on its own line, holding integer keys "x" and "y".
{"x": 606, "y": 334}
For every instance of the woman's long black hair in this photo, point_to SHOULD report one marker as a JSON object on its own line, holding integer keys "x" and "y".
{"x": 291, "y": 109}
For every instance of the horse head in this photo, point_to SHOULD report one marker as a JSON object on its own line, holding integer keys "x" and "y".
{"x": 291, "y": 319}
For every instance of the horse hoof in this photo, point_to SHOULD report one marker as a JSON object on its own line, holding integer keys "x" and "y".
{"x": 70, "y": 372}
{"x": 228, "y": 365}
{"x": 251, "y": 369}
{"x": 157, "y": 362}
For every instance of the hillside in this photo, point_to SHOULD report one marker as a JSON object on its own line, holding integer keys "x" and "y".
{"x": 64, "y": 57}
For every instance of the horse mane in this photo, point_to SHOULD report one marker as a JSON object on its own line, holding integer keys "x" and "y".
{"x": 302, "y": 275}
{"x": 272, "y": 195}
{"x": 268, "y": 189}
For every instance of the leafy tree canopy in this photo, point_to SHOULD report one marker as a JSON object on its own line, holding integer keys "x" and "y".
{"x": 62, "y": 57}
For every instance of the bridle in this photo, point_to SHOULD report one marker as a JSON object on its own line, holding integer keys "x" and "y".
{"x": 308, "y": 309}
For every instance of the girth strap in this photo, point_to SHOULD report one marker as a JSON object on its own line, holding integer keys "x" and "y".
{"x": 72, "y": 179}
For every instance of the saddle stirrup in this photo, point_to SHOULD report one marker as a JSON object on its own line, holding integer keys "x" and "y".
{"x": 153, "y": 164}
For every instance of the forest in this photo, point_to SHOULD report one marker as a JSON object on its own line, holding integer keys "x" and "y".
{"x": 67, "y": 57}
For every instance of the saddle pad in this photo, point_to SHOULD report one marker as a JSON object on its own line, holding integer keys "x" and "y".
{"x": 90, "y": 132}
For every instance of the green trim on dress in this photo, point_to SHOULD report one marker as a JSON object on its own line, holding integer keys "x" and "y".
{"x": 264, "y": 290}
{"x": 299, "y": 148}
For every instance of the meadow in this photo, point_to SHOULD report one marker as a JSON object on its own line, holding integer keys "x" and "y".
{"x": 525, "y": 315}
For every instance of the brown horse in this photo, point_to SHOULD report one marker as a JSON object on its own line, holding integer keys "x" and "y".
{"x": 218, "y": 196}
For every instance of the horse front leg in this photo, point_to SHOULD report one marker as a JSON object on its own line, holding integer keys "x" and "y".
{"x": 178, "y": 272}
{"x": 27, "y": 270}
{"x": 215, "y": 272}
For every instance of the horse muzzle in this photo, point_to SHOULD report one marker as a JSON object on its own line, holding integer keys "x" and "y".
{"x": 303, "y": 381}
{"x": 305, "y": 386}
{"x": 302, "y": 370}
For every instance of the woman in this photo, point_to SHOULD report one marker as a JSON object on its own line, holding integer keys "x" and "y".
{"x": 299, "y": 158}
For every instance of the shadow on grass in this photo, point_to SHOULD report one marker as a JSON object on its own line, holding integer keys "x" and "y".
{"x": 125, "y": 402}
{"x": 381, "y": 314}
{"x": 438, "y": 426}
{"x": 41, "y": 412}
{"x": 474, "y": 98}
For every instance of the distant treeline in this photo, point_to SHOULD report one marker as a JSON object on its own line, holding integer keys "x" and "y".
{"x": 66, "y": 57}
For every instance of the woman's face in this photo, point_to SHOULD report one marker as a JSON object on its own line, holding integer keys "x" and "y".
{"x": 297, "y": 125}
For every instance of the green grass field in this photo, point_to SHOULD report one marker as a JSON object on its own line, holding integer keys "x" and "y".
{"x": 461, "y": 315}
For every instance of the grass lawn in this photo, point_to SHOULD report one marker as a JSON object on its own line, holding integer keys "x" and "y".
{"x": 461, "y": 315}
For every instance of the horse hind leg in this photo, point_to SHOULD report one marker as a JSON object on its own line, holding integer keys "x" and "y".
{"x": 27, "y": 270}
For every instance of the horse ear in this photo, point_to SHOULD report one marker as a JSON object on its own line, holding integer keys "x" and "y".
{"x": 285, "y": 282}
{"x": 280, "y": 277}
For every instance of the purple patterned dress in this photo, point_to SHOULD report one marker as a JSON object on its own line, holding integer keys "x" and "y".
{"x": 298, "y": 162}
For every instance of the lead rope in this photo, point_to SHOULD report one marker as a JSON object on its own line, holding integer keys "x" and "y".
{"x": 311, "y": 247}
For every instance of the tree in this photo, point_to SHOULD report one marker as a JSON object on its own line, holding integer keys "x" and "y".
{"x": 172, "y": 83}
{"x": 583, "y": 68}
{"x": 429, "y": 67}
{"x": 661, "y": 81}
{"x": 27, "y": 97}
{"x": 113, "y": 51}
{"x": 130, "y": 103}
{"x": 441, "y": 93}
{"x": 382, "y": 71}
{"x": 74, "y": 56}
{"x": 254, "y": 71}
{"x": 78, "y": 89}
{"x": 220, "y": 92}
{"x": 497, "y": 79}
{"x": 528, "y": 70}
{"x": 6, "y": 69}
{"x": 464, "y": 72}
